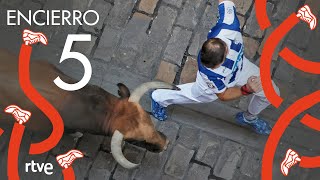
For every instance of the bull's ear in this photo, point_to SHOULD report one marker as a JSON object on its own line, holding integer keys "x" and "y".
{"x": 123, "y": 91}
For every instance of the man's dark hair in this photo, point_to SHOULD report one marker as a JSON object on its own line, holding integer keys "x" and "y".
{"x": 213, "y": 52}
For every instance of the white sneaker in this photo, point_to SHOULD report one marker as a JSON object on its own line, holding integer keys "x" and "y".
{"x": 306, "y": 15}
{"x": 290, "y": 160}
{"x": 21, "y": 116}
{"x": 30, "y": 37}
{"x": 66, "y": 160}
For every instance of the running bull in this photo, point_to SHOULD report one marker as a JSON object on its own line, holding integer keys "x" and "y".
{"x": 90, "y": 109}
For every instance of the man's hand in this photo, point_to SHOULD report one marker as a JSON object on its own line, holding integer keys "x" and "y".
{"x": 254, "y": 84}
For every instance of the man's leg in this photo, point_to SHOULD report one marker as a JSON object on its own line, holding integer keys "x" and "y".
{"x": 189, "y": 93}
{"x": 258, "y": 101}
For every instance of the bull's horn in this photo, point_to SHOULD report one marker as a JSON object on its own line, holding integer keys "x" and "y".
{"x": 143, "y": 88}
{"x": 116, "y": 151}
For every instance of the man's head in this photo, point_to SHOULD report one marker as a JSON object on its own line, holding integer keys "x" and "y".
{"x": 213, "y": 53}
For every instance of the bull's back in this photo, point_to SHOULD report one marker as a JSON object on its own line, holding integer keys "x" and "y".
{"x": 42, "y": 75}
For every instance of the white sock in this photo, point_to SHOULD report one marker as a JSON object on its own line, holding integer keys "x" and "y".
{"x": 249, "y": 116}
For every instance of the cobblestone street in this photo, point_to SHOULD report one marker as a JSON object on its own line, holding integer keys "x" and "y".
{"x": 137, "y": 41}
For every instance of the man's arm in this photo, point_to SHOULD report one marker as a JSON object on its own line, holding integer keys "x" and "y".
{"x": 227, "y": 16}
{"x": 253, "y": 85}
{"x": 227, "y": 12}
{"x": 230, "y": 94}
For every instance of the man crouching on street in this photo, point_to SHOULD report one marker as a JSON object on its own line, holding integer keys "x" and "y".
{"x": 224, "y": 73}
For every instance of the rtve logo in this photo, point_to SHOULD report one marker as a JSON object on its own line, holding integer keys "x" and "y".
{"x": 39, "y": 167}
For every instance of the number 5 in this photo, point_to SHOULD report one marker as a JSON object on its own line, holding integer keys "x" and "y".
{"x": 66, "y": 54}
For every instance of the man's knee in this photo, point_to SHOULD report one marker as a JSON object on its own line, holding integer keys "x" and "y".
{"x": 156, "y": 94}
{"x": 275, "y": 87}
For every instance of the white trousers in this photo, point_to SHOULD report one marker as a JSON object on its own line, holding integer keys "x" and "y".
{"x": 195, "y": 93}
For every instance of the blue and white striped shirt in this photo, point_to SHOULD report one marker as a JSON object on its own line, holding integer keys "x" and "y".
{"x": 228, "y": 30}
